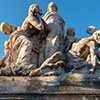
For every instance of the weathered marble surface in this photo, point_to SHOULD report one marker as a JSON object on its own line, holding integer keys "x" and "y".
{"x": 31, "y": 49}
{"x": 46, "y": 87}
{"x": 23, "y": 49}
{"x": 41, "y": 62}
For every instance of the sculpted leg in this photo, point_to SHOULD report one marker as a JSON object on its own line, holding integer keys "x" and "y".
{"x": 51, "y": 66}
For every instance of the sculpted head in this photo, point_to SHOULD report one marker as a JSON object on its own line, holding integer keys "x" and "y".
{"x": 52, "y": 7}
{"x": 70, "y": 32}
{"x": 34, "y": 8}
{"x": 91, "y": 29}
{"x": 5, "y": 28}
{"x": 96, "y": 36}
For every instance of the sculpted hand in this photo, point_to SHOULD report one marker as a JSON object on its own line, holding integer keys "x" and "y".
{"x": 37, "y": 15}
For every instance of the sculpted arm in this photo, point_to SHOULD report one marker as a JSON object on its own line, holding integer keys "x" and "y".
{"x": 37, "y": 23}
{"x": 93, "y": 53}
{"x": 46, "y": 27}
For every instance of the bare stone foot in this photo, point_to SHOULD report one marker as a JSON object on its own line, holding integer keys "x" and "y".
{"x": 50, "y": 73}
{"x": 36, "y": 72}
{"x": 91, "y": 71}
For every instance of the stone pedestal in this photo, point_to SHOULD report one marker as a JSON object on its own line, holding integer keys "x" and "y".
{"x": 48, "y": 88}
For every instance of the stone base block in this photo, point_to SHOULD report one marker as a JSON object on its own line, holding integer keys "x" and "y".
{"x": 49, "y": 88}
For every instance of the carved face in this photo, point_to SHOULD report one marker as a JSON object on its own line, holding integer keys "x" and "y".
{"x": 70, "y": 32}
{"x": 38, "y": 10}
{"x": 96, "y": 36}
{"x": 35, "y": 9}
{"x": 91, "y": 30}
{"x": 52, "y": 7}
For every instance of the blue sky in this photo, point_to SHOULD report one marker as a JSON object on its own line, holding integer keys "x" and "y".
{"x": 77, "y": 13}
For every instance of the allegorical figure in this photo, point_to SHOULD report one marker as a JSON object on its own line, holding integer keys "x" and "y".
{"x": 6, "y": 29}
{"x": 54, "y": 58}
{"x": 18, "y": 56}
{"x": 17, "y": 43}
{"x": 37, "y": 30}
{"x": 55, "y": 38}
{"x": 90, "y": 30}
{"x": 85, "y": 50}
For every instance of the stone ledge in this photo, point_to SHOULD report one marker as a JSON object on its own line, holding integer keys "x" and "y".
{"x": 48, "y": 88}
{"x": 49, "y": 97}
{"x": 46, "y": 85}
